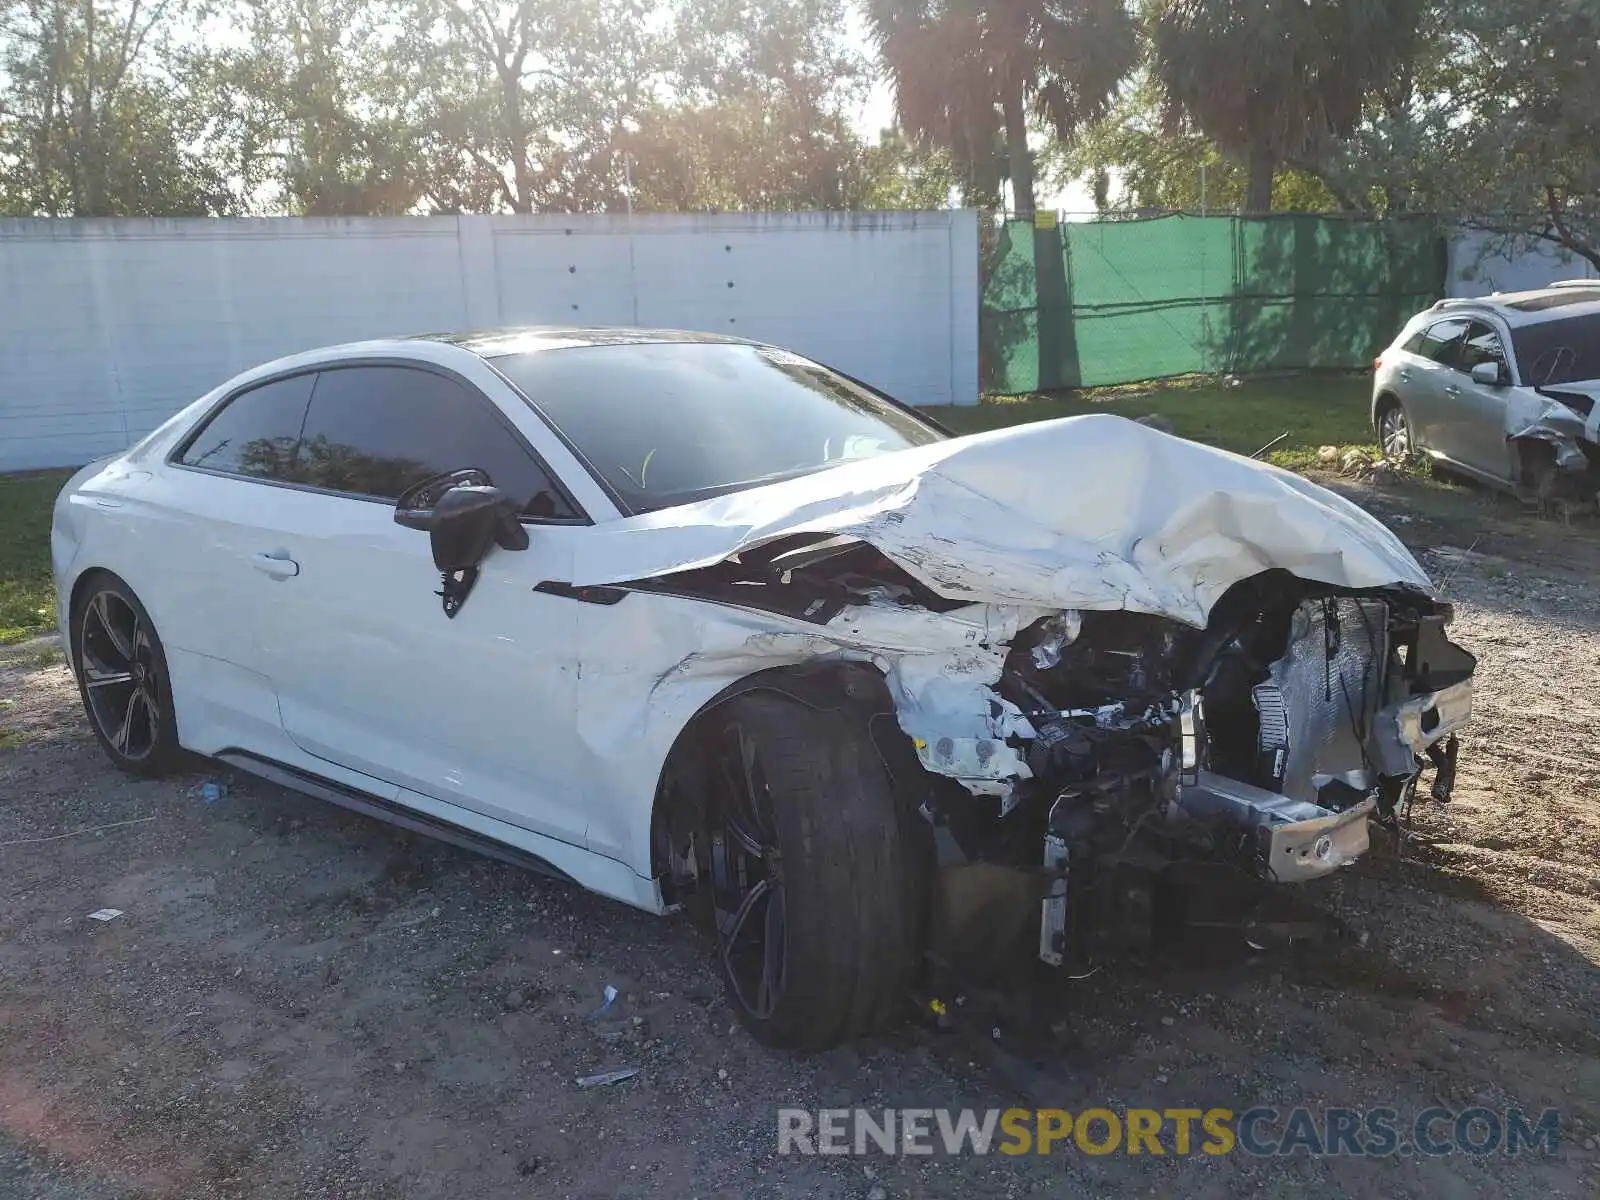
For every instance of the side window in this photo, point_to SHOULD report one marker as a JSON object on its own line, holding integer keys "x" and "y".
{"x": 255, "y": 432}
{"x": 1442, "y": 342}
{"x": 1482, "y": 344}
{"x": 375, "y": 431}
{"x": 1413, "y": 344}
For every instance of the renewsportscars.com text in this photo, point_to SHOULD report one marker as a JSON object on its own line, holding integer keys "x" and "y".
{"x": 1260, "y": 1132}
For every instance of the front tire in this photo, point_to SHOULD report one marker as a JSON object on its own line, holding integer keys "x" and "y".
{"x": 818, "y": 872}
{"x": 123, "y": 678}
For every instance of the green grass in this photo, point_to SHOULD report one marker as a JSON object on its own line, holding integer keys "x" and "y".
{"x": 1314, "y": 410}
{"x": 27, "y": 599}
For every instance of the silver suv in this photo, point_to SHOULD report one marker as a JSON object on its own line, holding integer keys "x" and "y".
{"x": 1501, "y": 388}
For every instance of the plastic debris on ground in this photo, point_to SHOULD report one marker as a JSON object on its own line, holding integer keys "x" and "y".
{"x": 105, "y": 914}
{"x": 605, "y": 1077}
{"x": 213, "y": 790}
{"x": 608, "y": 998}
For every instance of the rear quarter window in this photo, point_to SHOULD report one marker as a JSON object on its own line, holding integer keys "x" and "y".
{"x": 255, "y": 432}
{"x": 1442, "y": 341}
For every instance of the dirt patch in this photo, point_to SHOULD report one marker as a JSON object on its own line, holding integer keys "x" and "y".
{"x": 298, "y": 1001}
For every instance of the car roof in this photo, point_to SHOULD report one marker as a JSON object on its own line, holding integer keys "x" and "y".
{"x": 443, "y": 349}
{"x": 1569, "y": 298}
{"x": 523, "y": 339}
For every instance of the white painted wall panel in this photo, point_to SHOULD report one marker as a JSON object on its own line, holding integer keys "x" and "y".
{"x": 60, "y": 389}
{"x": 107, "y": 327}
{"x": 1477, "y": 270}
{"x": 865, "y": 294}
{"x": 562, "y": 274}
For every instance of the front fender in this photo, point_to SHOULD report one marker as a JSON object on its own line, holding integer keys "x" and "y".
{"x": 652, "y": 663}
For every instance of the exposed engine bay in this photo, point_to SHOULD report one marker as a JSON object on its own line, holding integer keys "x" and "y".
{"x": 1263, "y": 743}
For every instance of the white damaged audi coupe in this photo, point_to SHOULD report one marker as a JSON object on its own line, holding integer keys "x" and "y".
{"x": 699, "y": 623}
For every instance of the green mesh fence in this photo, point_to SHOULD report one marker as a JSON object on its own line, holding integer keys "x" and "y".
{"x": 1082, "y": 305}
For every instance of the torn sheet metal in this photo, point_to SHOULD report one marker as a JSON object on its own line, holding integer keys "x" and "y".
{"x": 665, "y": 656}
{"x": 941, "y": 668}
{"x": 1093, "y": 512}
{"x": 1059, "y": 632}
{"x": 1430, "y": 719}
{"x": 959, "y": 726}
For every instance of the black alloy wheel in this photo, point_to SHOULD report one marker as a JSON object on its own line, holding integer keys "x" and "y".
{"x": 123, "y": 679}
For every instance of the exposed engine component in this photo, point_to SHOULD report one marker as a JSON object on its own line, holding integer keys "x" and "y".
{"x": 1264, "y": 741}
{"x": 1279, "y": 838}
{"x": 1092, "y": 661}
{"x": 1315, "y": 707}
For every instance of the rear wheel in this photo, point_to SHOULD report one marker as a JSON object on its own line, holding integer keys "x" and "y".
{"x": 818, "y": 872}
{"x": 122, "y": 677}
{"x": 1395, "y": 436}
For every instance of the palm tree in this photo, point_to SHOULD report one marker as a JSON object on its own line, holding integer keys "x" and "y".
{"x": 1275, "y": 82}
{"x": 966, "y": 74}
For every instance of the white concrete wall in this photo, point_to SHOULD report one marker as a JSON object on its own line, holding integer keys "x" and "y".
{"x": 108, "y": 327}
{"x": 1479, "y": 269}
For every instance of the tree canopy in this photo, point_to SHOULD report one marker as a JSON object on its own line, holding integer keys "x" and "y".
{"x": 1481, "y": 111}
{"x": 1504, "y": 133}
{"x": 1161, "y": 169}
{"x": 95, "y": 117}
{"x": 344, "y": 107}
{"x": 968, "y": 75}
{"x": 1276, "y": 82}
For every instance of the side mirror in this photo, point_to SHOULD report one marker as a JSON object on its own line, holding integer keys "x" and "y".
{"x": 1489, "y": 374}
{"x": 467, "y": 521}
{"x": 463, "y": 518}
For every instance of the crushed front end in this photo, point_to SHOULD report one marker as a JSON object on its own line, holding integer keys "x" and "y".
{"x": 1553, "y": 434}
{"x": 1155, "y": 756}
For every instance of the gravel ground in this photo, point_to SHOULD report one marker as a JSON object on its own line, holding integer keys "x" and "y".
{"x": 302, "y": 1002}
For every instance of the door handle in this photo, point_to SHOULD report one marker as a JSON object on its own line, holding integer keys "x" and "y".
{"x": 278, "y": 565}
{"x": 1405, "y": 376}
{"x": 1452, "y": 391}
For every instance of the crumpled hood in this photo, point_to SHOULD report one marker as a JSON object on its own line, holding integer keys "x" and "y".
{"x": 1544, "y": 412}
{"x": 1585, "y": 387}
{"x": 1093, "y": 512}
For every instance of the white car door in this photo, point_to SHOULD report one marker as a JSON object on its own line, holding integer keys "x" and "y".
{"x": 203, "y": 556}
{"x": 477, "y": 710}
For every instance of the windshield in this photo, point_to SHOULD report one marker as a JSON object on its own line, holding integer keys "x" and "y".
{"x": 1562, "y": 351}
{"x": 669, "y": 423}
